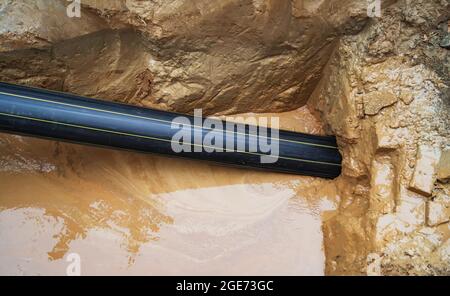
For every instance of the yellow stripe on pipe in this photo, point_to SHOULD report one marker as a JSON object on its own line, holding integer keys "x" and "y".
{"x": 158, "y": 139}
{"x": 150, "y": 118}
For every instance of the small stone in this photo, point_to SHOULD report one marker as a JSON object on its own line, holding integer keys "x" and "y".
{"x": 426, "y": 231}
{"x": 377, "y": 100}
{"x": 424, "y": 175}
{"x": 443, "y": 169}
{"x": 381, "y": 186}
{"x": 373, "y": 264}
{"x": 438, "y": 211}
{"x": 444, "y": 251}
{"x": 406, "y": 97}
{"x": 445, "y": 42}
{"x": 411, "y": 207}
{"x": 386, "y": 138}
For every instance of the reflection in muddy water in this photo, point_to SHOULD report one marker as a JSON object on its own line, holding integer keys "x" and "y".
{"x": 128, "y": 213}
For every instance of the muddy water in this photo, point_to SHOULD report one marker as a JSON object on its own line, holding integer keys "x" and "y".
{"x": 129, "y": 213}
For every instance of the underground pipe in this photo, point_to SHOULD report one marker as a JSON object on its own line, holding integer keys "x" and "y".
{"x": 61, "y": 116}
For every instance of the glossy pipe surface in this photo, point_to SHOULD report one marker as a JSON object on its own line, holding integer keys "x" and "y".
{"x": 67, "y": 117}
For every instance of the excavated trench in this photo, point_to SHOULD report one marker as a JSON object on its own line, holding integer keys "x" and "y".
{"x": 379, "y": 85}
{"x": 189, "y": 217}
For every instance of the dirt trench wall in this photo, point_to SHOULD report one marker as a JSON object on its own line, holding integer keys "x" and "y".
{"x": 385, "y": 94}
{"x": 223, "y": 56}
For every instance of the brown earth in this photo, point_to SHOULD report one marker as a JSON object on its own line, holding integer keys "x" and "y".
{"x": 381, "y": 85}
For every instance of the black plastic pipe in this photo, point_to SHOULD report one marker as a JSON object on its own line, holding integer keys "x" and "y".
{"x": 62, "y": 116}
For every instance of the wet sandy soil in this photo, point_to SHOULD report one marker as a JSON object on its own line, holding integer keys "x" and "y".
{"x": 129, "y": 213}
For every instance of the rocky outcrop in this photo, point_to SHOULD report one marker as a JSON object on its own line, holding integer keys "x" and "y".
{"x": 385, "y": 93}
